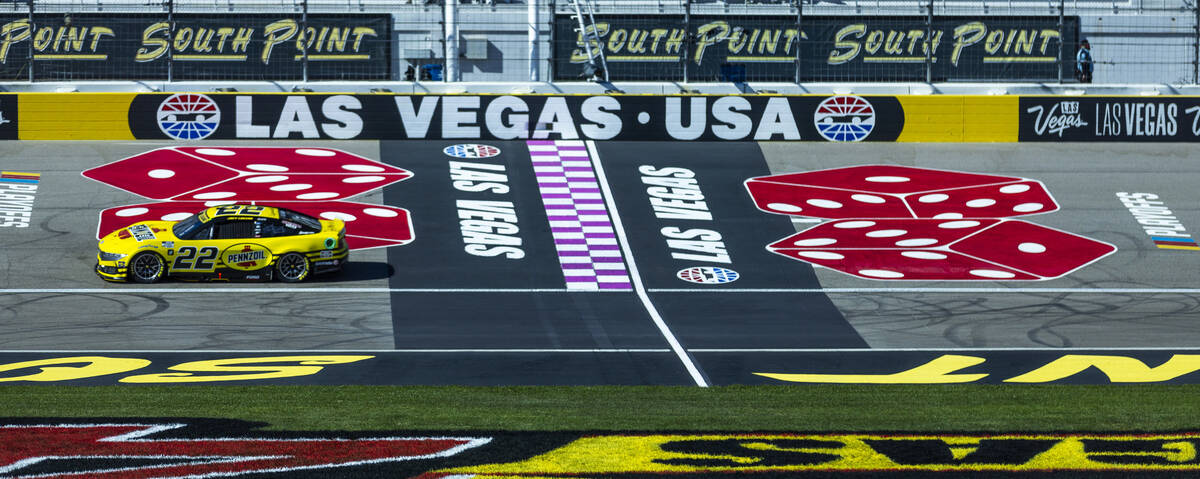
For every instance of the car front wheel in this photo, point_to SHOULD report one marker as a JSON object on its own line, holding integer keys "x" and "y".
{"x": 292, "y": 267}
{"x": 147, "y": 268}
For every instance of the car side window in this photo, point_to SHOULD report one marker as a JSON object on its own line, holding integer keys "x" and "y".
{"x": 271, "y": 228}
{"x": 201, "y": 233}
{"x": 234, "y": 229}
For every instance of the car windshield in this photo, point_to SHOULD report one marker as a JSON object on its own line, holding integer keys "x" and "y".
{"x": 308, "y": 222}
{"x": 185, "y": 228}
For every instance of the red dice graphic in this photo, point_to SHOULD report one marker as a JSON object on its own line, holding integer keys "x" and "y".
{"x": 367, "y": 225}
{"x": 942, "y": 249}
{"x": 887, "y": 191}
{"x": 247, "y": 174}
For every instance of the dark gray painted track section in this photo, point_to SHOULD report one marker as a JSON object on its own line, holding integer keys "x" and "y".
{"x": 428, "y": 299}
{"x": 708, "y": 318}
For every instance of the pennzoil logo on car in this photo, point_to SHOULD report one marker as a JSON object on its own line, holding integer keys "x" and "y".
{"x": 246, "y": 257}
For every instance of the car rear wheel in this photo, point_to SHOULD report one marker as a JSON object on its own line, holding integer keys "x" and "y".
{"x": 292, "y": 268}
{"x": 147, "y": 268}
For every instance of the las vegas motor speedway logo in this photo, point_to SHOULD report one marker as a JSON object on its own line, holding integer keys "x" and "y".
{"x": 188, "y": 116}
{"x": 169, "y": 450}
{"x": 844, "y": 118}
{"x": 471, "y": 151}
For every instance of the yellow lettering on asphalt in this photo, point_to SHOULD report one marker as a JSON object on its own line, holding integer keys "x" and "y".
{"x": 309, "y": 365}
{"x": 1119, "y": 369}
{"x": 936, "y": 371}
{"x": 659, "y": 454}
{"x": 89, "y": 367}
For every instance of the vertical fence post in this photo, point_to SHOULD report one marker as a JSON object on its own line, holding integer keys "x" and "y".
{"x": 687, "y": 37}
{"x": 799, "y": 39}
{"x": 29, "y": 54}
{"x": 550, "y": 55}
{"x": 170, "y": 41}
{"x": 304, "y": 40}
{"x": 450, "y": 72}
{"x": 533, "y": 39}
{"x": 928, "y": 43}
{"x": 1061, "y": 23}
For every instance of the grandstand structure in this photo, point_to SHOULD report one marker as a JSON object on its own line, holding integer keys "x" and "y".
{"x": 527, "y": 45}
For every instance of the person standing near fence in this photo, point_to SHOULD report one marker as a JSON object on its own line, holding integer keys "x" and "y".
{"x": 1083, "y": 62}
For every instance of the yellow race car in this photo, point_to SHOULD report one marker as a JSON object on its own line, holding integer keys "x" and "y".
{"x": 229, "y": 242}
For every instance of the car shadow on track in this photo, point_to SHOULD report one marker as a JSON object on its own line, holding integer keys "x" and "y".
{"x": 356, "y": 271}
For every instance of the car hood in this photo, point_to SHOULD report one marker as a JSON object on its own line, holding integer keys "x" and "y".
{"x": 146, "y": 233}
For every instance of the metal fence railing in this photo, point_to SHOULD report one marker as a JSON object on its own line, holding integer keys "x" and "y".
{"x": 793, "y": 41}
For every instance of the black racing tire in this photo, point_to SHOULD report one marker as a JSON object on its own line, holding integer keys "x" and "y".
{"x": 147, "y": 268}
{"x": 292, "y": 268}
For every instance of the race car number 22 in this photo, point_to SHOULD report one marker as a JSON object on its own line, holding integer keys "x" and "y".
{"x": 203, "y": 261}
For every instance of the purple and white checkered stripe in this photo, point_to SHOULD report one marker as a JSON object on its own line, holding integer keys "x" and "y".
{"x": 583, "y": 234}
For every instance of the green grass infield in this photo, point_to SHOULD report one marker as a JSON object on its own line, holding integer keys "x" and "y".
{"x": 811, "y": 408}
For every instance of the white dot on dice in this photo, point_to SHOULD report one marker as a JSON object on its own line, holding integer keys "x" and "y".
{"x": 271, "y": 168}
{"x": 886, "y": 233}
{"x": 363, "y": 179}
{"x": 819, "y": 203}
{"x": 324, "y": 195}
{"x": 880, "y": 273}
{"x": 1031, "y": 248}
{"x": 291, "y": 187}
{"x": 915, "y": 242}
{"x": 176, "y": 216}
{"x": 868, "y": 198}
{"x": 337, "y": 215}
{"x": 922, "y": 255}
{"x": 784, "y": 207}
{"x": 887, "y": 179}
{"x": 820, "y": 255}
{"x": 854, "y": 224}
{"x": 266, "y": 179}
{"x": 815, "y": 242}
{"x": 991, "y": 273}
{"x": 381, "y": 212}
{"x": 314, "y": 152}
{"x": 127, "y": 212}
{"x": 958, "y": 224}
{"x": 363, "y": 168}
{"x": 215, "y": 195}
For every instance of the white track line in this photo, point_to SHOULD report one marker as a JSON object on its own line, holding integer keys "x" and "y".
{"x": 219, "y": 289}
{"x": 590, "y": 351}
{"x": 339, "y": 351}
{"x": 337, "y": 290}
{"x": 636, "y": 277}
{"x": 933, "y": 290}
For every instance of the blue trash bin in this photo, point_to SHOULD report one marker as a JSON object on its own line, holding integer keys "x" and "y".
{"x": 434, "y": 70}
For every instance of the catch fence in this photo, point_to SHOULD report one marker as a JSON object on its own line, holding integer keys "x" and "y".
{"x": 790, "y": 41}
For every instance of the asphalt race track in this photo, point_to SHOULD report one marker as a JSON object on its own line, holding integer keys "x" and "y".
{"x": 564, "y": 263}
